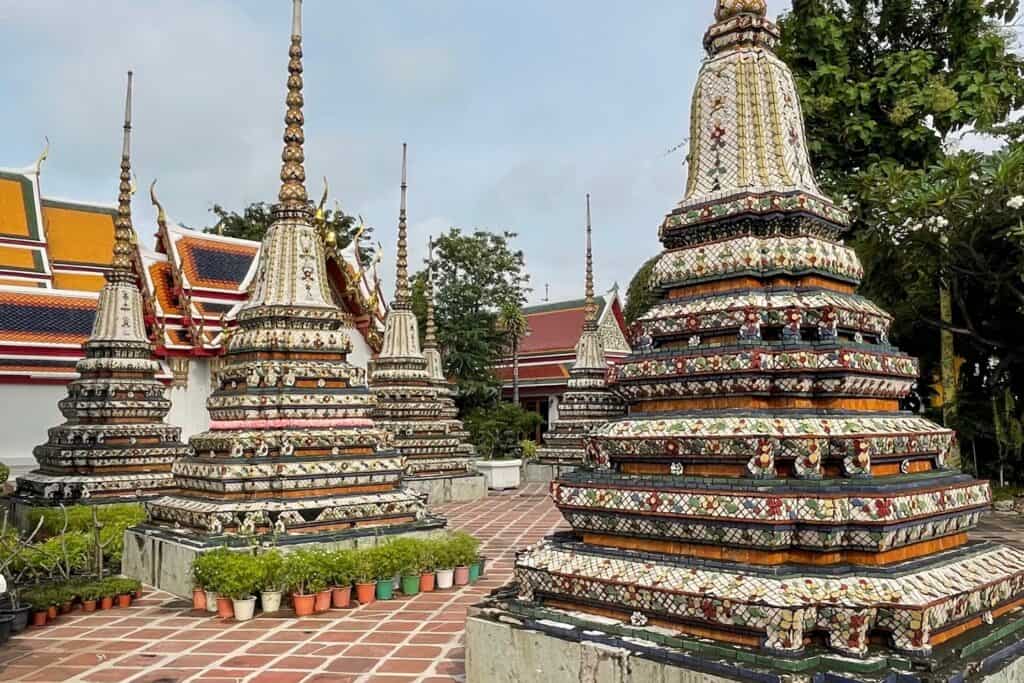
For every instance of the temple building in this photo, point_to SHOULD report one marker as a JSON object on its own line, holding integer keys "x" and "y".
{"x": 192, "y": 285}
{"x": 114, "y": 445}
{"x": 548, "y": 351}
{"x": 587, "y": 402}
{"x": 410, "y": 401}
{"x": 765, "y": 505}
{"x": 292, "y": 450}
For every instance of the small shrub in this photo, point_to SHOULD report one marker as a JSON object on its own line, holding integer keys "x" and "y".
{"x": 272, "y": 571}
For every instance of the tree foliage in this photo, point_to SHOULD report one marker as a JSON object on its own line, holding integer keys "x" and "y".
{"x": 639, "y": 296}
{"x": 888, "y": 89}
{"x": 254, "y": 221}
{"x": 476, "y": 276}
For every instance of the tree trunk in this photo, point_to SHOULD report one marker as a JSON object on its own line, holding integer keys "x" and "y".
{"x": 948, "y": 354}
{"x": 515, "y": 371}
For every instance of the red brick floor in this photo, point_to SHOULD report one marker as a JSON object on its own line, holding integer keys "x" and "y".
{"x": 160, "y": 640}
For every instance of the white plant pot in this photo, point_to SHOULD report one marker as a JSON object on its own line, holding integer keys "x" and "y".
{"x": 211, "y": 601}
{"x": 270, "y": 601}
{"x": 244, "y": 608}
{"x": 445, "y": 578}
{"x": 396, "y": 582}
{"x": 500, "y": 474}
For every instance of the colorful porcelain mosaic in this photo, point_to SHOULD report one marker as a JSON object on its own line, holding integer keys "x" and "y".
{"x": 292, "y": 446}
{"x": 114, "y": 443}
{"x": 792, "y": 513}
{"x": 756, "y": 255}
{"x": 909, "y": 604}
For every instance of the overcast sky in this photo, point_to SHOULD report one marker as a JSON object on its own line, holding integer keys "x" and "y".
{"x": 513, "y": 111}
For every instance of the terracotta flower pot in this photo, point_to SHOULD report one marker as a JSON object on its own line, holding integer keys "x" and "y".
{"x": 198, "y": 599}
{"x": 225, "y": 609}
{"x": 427, "y": 582}
{"x": 461, "y": 576}
{"x": 365, "y": 592}
{"x": 322, "y": 602}
{"x": 39, "y": 618}
{"x": 341, "y": 596}
{"x": 303, "y": 604}
{"x": 89, "y": 605}
{"x": 106, "y": 602}
{"x": 124, "y": 600}
{"x": 51, "y": 613}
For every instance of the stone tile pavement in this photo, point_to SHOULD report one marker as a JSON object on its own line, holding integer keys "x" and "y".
{"x": 160, "y": 640}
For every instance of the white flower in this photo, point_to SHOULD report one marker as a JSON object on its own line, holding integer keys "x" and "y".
{"x": 1016, "y": 202}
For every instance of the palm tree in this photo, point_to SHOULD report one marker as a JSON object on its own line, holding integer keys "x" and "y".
{"x": 514, "y": 327}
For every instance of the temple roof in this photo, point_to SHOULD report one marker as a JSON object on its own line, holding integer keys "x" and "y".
{"x": 42, "y": 332}
{"x": 557, "y": 326}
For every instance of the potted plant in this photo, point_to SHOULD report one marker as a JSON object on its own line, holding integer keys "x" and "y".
{"x": 37, "y": 602}
{"x": 272, "y": 580}
{"x": 124, "y": 589}
{"x": 241, "y": 577}
{"x": 385, "y": 560}
{"x": 364, "y": 573}
{"x": 426, "y": 561}
{"x": 300, "y": 573}
{"x": 320, "y": 582}
{"x": 445, "y": 559}
{"x": 90, "y": 596}
{"x": 495, "y": 432}
{"x": 341, "y": 564}
{"x": 106, "y": 594}
{"x": 465, "y": 554}
{"x": 205, "y": 570}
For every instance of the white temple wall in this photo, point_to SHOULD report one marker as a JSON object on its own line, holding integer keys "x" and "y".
{"x": 27, "y": 411}
{"x": 188, "y": 403}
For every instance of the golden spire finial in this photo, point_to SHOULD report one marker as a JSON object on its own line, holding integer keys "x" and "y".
{"x": 590, "y": 306}
{"x": 292, "y": 198}
{"x": 123, "y": 231}
{"x": 403, "y": 295}
{"x": 430, "y": 334}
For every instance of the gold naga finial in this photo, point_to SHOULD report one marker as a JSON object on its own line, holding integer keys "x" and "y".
{"x": 323, "y": 200}
{"x": 293, "y": 201}
{"x": 161, "y": 215}
{"x": 123, "y": 230}
{"x": 43, "y": 156}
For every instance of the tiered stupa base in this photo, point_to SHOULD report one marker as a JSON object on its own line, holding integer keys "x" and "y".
{"x": 569, "y": 643}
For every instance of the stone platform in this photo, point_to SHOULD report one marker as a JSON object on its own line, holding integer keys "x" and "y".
{"x": 556, "y": 646}
{"x": 456, "y": 489}
{"x": 162, "y": 558}
{"x": 535, "y": 471}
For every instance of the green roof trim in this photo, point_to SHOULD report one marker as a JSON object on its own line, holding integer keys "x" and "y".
{"x": 29, "y": 200}
{"x": 562, "y": 306}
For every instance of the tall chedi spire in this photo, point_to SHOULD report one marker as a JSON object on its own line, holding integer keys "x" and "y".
{"x": 292, "y": 447}
{"x": 431, "y": 352}
{"x": 412, "y": 403}
{"x": 114, "y": 445}
{"x": 587, "y": 402}
{"x": 766, "y": 491}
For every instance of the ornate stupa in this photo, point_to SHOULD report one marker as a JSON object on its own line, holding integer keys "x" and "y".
{"x": 410, "y": 402}
{"x": 588, "y": 402}
{"x": 114, "y": 445}
{"x": 292, "y": 448}
{"x": 765, "y": 491}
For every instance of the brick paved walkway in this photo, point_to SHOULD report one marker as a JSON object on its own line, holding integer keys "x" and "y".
{"x": 159, "y": 639}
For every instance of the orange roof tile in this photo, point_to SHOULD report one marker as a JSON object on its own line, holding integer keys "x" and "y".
{"x": 79, "y": 233}
{"x": 18, "y": 207}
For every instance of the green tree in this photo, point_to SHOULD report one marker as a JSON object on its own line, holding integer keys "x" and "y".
{"x": 476, "y": 275}
{"x": 512, "y": 324}
{"x": 640, "y": 297}
{"x": 254, "y": 221}
{"x": 497, "y": 431}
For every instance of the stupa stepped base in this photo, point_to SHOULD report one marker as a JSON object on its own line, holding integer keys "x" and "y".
{"x": 162, "y": 557}
{"x": 550, "y": 465}
{"x": 37, "y": 489}
{"x": 456, "y": 487}
{"x": 911, "y": 607}
{"x": 562, "y": 646}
